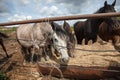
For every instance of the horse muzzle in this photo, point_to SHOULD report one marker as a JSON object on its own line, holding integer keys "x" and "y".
{"x": 64, "y": 60}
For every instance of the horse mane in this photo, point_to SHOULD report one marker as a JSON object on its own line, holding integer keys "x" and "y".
{"x": 100, "y": 10}
{"x": 97, "y": 20}
{"x": 58, "y": 29}
{"x": 3, "y": 35}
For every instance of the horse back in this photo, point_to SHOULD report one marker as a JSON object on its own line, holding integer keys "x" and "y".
{"x": 33, "y": 34}
{"x": 24, "y": 34}
{"x": 79, "y": 29}
{"x": 23, "y": 31}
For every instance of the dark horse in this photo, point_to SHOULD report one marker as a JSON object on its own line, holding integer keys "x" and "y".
{"x": 110, "y": 30}
{"x": 89, "y": 29}
{"x": 2, "y": 35}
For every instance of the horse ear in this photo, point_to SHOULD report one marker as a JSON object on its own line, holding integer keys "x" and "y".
{"x": 64, "y": 25}
{"x": 52, "y": 24}
{"x": 105, "y": 3}
{"x": 113, "y": 4}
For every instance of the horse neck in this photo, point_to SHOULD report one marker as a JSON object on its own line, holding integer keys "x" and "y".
{"x": 96, "y": 22}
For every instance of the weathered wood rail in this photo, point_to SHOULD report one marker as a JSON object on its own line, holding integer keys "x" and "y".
{"x": 79, "y": 72}
{"x": 85, "y": 16}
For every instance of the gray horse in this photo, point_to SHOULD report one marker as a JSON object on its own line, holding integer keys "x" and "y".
{"x": 66, "y": 31}
{"x": 39, "y": 35}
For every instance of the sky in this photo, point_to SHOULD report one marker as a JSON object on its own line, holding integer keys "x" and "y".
{"x": 16, "y": 10}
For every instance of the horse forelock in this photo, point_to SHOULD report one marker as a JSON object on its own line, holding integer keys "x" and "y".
{"x": 62, "y": 34}
{"x": 60, "y": 31}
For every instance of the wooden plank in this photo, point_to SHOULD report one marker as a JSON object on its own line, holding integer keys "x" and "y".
{"x": 78, "y": 72}
{"x": 73, "y": 17}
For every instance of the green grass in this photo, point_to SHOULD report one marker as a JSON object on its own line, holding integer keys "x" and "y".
{"x": 72, "y": 28}
{"x": 118, "y": 18}
{"x": 3, "y": 76}
{"x": 9, "y": 30}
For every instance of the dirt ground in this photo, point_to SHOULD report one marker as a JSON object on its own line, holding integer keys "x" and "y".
{"x": 85, "y": 55}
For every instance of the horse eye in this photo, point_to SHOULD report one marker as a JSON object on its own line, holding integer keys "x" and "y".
{"x": 49, "y": 34}
{"x": 55, "y": 40}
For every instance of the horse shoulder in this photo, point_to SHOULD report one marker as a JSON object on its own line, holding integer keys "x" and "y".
{"x": 37, "y": 32}
{"x": 24, "y": 31}
{"x": 40, "y": 31}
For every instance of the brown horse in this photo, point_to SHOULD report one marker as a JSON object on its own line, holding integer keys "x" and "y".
{"x": 110, "y": 30}
{"x": 2, "y": 35}
{"x": 89, "y": 28}
{"x": 79, "y": 31}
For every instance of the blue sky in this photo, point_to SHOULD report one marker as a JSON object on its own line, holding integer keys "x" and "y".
{"x": 14, "y": 10}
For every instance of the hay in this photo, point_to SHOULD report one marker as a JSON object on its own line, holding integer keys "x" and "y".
{"x": 92, "y": 57}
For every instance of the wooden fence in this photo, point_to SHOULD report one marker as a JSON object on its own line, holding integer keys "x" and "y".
{"x": 73, "y": 17}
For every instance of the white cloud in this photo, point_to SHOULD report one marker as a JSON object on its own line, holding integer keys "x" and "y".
{"x": 18, "y": 17}
{"x": 4, "y": 14}
{"x": 53, "y": 8}
{"x": 49, "y": 1}
{"x": 4, "y": 9}
{"x": 25, "y": 1}
{"x": 50, "y": 11}
{"x": 46, "y": 1}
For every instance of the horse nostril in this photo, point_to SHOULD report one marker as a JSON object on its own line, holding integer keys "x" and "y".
{"x": 64, "y": 60}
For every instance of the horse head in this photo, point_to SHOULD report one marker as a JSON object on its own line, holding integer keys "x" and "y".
{"x": 60, "y": 41}
{"x": 111, "y": 21}
{"x": 71, "y": 40}
{"x": 109, "y": 7}
{"x": 109, "y": 29}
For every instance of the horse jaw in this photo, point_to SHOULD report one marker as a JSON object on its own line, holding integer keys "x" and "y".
{"x": 61, "y": 46}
